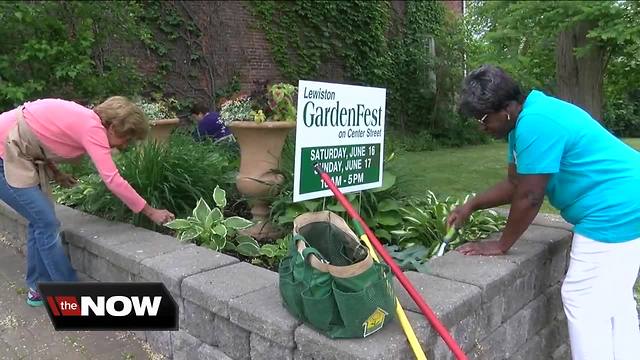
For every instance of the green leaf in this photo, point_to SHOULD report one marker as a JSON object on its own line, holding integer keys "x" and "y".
{"x": 189, "y": 234}
{"x": 237, "y": 223}
{"x": 312, "y": 205}
{"x": 201, "y": 211}
{"x": 268, "y": 250}
{"x": 211, "y": 219}
{"x": 389, "y": 219}
{"x": 216, "y": 215}
{"x": 388, "y": 205}
{"x": 220, "y": 230}
{"x": 217, "y": 242}
{"x": 336, "y": 208}
{"x": 244, "y": 238}
{"x": 178, "y": 224}
{"x": 248, "y": 248}
{"x": 220, "y": 197}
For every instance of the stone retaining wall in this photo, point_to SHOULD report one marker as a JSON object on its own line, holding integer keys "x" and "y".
{"x": 505, "y": 307}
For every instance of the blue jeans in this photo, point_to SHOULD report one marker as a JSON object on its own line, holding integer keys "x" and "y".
{"x": 46, "y": 260}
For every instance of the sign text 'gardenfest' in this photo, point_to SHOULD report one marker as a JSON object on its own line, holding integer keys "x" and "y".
{"x": 340, "y": 127}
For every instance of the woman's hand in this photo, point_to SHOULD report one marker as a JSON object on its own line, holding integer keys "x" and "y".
{"x": 158, "y": 216}
{"x": 482, "y": 248}
{"x": 460, "y": 215}
{"x": 64, "y": 180}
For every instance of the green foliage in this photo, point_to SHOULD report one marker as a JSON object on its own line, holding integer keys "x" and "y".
{"x": 305, "y": 34}
{"x": 411, "y": 258}
{"x": 207, "y": 226}
{"x": 520, "y": 36}
{"x": 156, "y": 110}
{"x": 281, "y": 103}
{"x": 165, "y": 29}
{"x": 271, "y": 254}
{"x": 375, "y": 48}
{"x": 622, "y": 116}
{"x": 174, "y": 176}
{"x": 425, "y": 223}
{"x": 61, "y": 49}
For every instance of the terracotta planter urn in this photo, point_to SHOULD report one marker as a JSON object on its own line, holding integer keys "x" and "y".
{"x": 159, "y": 130}
{"x": 260, "y": 149}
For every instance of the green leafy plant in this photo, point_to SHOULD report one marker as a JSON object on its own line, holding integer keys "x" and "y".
{"x": 280, "y": 98}
{"x": 156, "y": 110}
{"x": 238, "y": 109}
{"x": 425, "y": 223}
{"x": 172, "y": 175}
{"x": 208, "y": 227}
{"x": 62, "y": 50}
{"x": 411, "y": 258}
{"x": 269, "y": 255}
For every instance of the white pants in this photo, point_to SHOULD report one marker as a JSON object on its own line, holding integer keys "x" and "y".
{"x": 597, "y": 295}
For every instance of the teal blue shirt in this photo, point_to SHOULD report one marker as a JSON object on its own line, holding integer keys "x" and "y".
{"x": 594, "y": 176}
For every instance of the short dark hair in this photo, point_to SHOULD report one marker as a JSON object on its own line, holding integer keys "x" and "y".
{"x": 199, "y": 108}
{"x": 488, "y": 89}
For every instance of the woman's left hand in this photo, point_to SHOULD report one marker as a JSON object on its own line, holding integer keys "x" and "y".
{"x": 65, "y": 180}
{"x": 481, "y": 248}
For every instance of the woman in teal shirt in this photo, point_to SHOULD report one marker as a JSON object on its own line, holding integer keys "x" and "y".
{"x": 557, "y": 149}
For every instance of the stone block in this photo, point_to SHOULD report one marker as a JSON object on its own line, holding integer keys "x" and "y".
{"x": 522, "y": 291}
{"x": 199, "y": 322}
{"x": 542, "y": 219}
{"x": 264, "y": 349}
{"x": 454, "y": 303}
{"x": 81, "y": 228}
{"x": 232, "y": 339}
{"x": 214, "y": 289}
{"x": 563, "y": 352}
{"x": 490, "y": 317}
{"x": 262, "y": 312}
{"x": 76, "y": 255}
{"x": 206, "y": 352}
{"x": 173, "y": 267}
{"x": 128, "y": 249}
{"x": 554, "y": 302}
{"x": 491, "y": 347}
{"x": 492, "y": 274}
{"x": 102, "y": 270}
{"x": 185, "y": 346}
{"x": 388, "y": 343}
{"x": 161, "y": 342}
{"x": 533, "y": 349}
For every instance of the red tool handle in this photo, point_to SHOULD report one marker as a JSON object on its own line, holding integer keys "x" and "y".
{"x": 428, "y": 313}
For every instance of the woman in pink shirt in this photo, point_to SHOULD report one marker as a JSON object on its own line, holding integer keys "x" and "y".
{"x": 39, "y": 134}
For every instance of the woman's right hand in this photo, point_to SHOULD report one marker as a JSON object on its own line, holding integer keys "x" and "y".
{"x": 158, "y": 216}
{"x": 460, "y": 215}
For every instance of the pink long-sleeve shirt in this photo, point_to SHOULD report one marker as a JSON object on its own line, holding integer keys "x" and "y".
{"x": 70, "y": 130}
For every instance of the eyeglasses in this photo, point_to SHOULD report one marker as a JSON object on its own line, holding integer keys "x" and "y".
{"x": 483, "y": 120}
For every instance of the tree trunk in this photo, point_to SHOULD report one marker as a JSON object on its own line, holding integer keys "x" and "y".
{"x": 580, "y": 78}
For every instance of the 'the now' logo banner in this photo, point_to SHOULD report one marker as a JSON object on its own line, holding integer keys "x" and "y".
{"x": 109, "y": 306}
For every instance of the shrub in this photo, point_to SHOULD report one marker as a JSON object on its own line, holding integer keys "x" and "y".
{"x": 622, "y": 117}
{"x": 174, "y": 176}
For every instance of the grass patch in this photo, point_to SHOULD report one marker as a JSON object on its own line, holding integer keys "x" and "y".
{"x": 458, "y": 171}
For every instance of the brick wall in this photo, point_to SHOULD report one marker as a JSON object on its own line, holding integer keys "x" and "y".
{"x": 457, "y": 6}
{"x": 232, "y": 44}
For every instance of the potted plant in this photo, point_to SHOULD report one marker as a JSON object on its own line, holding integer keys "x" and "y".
{"x": 161, "y": 120}
{"x": 260, "y": 123}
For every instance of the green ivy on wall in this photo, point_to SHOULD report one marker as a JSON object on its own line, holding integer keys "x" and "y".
{"x": 359, "y": 34}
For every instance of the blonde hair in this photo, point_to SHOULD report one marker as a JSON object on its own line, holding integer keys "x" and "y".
{"x": 126, "y": 117}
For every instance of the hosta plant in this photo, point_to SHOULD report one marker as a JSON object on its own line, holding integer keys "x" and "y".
{"x": 208, "y": 227}
{"x": 425, "y": 223}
